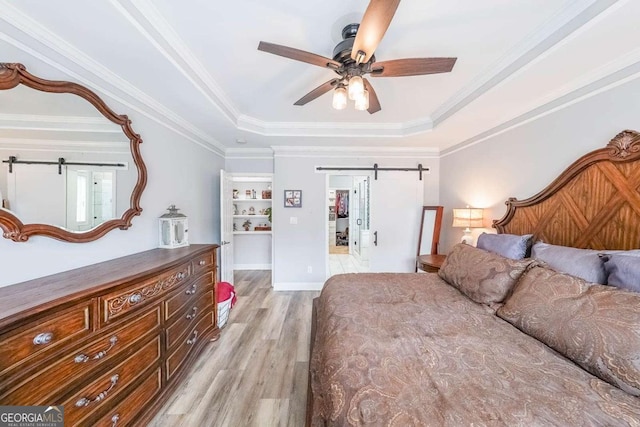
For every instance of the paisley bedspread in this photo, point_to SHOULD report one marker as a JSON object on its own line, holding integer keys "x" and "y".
{"x": 410, "y": 350}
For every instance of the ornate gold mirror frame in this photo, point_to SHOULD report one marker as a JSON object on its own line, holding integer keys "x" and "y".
{"x": 12, "y": 75}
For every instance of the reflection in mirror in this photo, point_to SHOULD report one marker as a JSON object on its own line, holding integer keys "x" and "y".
{"x": 71, "y": 168}
{"x": 430, "y": 230}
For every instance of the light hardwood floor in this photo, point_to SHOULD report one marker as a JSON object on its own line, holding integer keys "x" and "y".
{"x": 256, "y": 373}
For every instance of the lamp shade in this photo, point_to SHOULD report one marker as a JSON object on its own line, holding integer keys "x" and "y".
{"x": 468, "y": 217}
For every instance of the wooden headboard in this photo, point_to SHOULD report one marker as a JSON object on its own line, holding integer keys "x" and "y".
{"x": 594, "y": 203}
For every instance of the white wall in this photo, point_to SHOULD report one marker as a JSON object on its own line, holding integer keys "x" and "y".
{"x": 521, "y": 162}
{"x": 249, "y": 165}
{"x": 302, "y": 245}
{"x": 179, "y": 172}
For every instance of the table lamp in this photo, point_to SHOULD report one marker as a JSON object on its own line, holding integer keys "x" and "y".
{"x": 467, "y": 218}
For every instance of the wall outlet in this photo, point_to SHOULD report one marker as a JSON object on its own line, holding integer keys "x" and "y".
{"x": 309, "y": 269}
{"x": 293, "y": 220}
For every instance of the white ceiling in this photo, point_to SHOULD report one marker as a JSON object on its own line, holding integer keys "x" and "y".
{"x": 193, "y": 65}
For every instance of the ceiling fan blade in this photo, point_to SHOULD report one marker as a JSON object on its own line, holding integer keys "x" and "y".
{"x": 320, "y": 90}
{"x": 374, "y": 24}
{"x": 299, "y": 55}
{"x": 412, "y": 67}
{"x": 374, "y": 104}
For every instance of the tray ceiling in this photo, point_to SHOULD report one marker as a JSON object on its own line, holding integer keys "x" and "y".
{"x": 194, "y": 65}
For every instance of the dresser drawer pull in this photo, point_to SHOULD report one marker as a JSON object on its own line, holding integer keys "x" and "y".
{"x": 193, "y": 340}
{"x": 135, "y": 298}
{"x": 101, "y": 396}
{"x": 83, "y": 358}
{"x": 181, "y": 275}
{"x": 192, "y": 315}
{"x": 191, "y": 290}
{"x": 114, "y": 420}
{"x": 202, "y": 262}
{"x": 43, "y": 338}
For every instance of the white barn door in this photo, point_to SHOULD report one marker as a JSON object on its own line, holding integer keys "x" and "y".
{"x": 396, "y": 209}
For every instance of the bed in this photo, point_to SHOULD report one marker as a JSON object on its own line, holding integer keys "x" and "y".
{"x": 492, "y": 340}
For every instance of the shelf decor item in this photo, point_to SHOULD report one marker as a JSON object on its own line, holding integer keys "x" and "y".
{"x": 173, "y": 229}
{"x": 292, "y": 198}
{"x": 246, "y": 225}
{"x": 266, "y": 194}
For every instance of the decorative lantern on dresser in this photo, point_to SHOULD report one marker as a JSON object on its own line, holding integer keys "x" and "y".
{"x": 173, "y": 229}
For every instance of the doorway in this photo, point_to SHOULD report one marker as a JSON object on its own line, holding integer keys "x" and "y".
{"x": 348, "y": 223}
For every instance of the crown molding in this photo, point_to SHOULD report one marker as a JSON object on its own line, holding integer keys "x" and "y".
{"x": 609, "y": 76}
{"x": 564, "y": 23}
{"x": 58, "y": 123}
{"x": 28, "y": 144}
{"x": 334, "y": 129}
{"x": 146, "y": 18}
{"x": 360, "y": 152}
{"x": 249, "y": 153}
{"x": 44, "y": 38}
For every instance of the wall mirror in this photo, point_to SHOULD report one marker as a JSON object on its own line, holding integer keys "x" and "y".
{"x": 430, "y": 230}
{"x": 70, "y": 167}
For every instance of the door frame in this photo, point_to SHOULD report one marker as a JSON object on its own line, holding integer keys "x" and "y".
{"x": 328, "y": 174}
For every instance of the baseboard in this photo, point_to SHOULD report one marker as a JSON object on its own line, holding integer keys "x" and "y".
{"x": 252, "y": 266}
{"x": 297, "y": 286}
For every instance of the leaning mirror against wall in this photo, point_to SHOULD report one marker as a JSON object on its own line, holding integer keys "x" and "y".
{"x": 429, "y": 238}
{"x": 71, "y": 168}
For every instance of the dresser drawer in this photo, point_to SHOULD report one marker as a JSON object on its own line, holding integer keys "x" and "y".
{"x": 181, "y": 325}
{"x": 37, "y": 389}
{"x": 128, "y": 409}
{"x": 204, "y": 262}
{"x": 40, "y": 337}
{"x": 186, "y": 296}
{"x": 182, "y": 350}
{"x": 102, "y": 390}
{"x": 119, "y": 303}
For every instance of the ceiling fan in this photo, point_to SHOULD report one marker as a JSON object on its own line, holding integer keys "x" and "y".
{"x": 354, "y": 57}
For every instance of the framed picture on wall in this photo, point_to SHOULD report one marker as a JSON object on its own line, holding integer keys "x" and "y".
{"x": 292, "y": 198}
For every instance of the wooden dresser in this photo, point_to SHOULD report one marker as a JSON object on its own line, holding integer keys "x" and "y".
{"x": 109, "y": 341}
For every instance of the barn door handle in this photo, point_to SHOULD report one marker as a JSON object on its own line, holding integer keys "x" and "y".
{"x": 375, "y": 238}
{"x": 358, "y": 221}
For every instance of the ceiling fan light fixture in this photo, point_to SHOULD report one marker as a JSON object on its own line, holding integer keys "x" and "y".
{"x": 362, "y": 102}
{"x": 360, "y": 56}
{"x": 340, "y": 98}
{"x": 356, "y": 87}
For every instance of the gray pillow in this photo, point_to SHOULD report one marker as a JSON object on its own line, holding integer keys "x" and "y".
{"x": 623, "y": 270}
{"x": 583, "y": 263}
{"x": 508, "y": 245}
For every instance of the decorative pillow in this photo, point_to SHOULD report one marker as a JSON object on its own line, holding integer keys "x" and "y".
{"x": 508, "y": 245}
{"x": 583, "y": 263}
{"x": 596, "y": 326}
{"x": 483, "y": 276}
{"x": 623, "y": 270}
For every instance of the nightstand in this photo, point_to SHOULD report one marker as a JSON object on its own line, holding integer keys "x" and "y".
{"x": 430, "y": 263}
